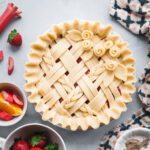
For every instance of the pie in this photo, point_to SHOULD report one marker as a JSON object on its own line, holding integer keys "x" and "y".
{"x": 80, "y": 75}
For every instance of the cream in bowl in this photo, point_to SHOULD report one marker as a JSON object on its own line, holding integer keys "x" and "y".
{"x": 134, "y": 139}
{"x": 13, "y": 104}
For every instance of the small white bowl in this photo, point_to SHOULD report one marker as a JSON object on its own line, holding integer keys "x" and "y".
{"x": 26, "y": 131}
{"x": 19, "y": 92}
{"x": 136, "y": 133}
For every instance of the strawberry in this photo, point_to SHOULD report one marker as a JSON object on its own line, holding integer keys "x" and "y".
{"x": 10, "y": 65}
{"x": 17, "y": 100}
{"x": 7, "y": 96}
{"x": 38, "y": 140}
{"x": 14, "y": 38}
{"x": 1, "y": 55}
{"x": 35, "y": 148}
{"x": 51, "y": 147}
{"x": 5, "y": 116}
{"x": 21, "y": 145}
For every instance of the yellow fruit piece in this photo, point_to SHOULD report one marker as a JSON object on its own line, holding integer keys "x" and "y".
{"x": 9, "y": 108}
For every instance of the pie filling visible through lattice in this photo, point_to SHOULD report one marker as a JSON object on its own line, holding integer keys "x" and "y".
{"x": 80, "y": 75}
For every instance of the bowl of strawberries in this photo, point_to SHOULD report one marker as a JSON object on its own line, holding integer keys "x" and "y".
{"x": 33, "y": 137}
{"x": 13, "y": 104}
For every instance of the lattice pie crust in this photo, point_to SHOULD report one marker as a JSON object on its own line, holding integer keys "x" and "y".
{"x": 80, "y": 75}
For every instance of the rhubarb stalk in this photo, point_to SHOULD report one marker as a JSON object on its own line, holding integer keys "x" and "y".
{"x": 10, "y": 12}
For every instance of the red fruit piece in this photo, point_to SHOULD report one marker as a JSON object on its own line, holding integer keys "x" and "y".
{"x": 21, "y": 145}
{"x": 14, "y": 38}
{"x": 18, "y": 100}
{"x": 38, "y": 140}
{"x": 7, "y": 96}
{"x": 5, "y": 116}
{"x": 10, "y": 65}
{"x": 35, "y": 149}
{"x": 1, "y": 55}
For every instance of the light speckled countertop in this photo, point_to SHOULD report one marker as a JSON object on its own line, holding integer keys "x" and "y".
{"x": 37, "y": 17}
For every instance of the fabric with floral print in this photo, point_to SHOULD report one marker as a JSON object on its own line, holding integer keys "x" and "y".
{"x": 144, "y": 86}
{"x": 139, "y": 119}
{"x": 134, "y": 15}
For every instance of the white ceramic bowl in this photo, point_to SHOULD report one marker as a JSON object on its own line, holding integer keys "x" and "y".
{"x": 19, "y": 92}
{"x": 27, "y": 131}
{"x": 136, "y": 133}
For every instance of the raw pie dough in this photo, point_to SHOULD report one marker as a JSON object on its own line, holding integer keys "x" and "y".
{"x": 80, "y": 75}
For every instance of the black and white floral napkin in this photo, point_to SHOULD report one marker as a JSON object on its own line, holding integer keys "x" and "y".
{"x": 134, "y": 15}
{"x": 140, "y": 119}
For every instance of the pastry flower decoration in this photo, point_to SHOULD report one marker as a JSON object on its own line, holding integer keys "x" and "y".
{"x": 108, "y": 44}
{"x": 114, "y": 69}
{"x": 114, "y": 52}
{"x": 111, "y": 65}
{"x": 87, "y": 44}
{"x": 85, "y": 36}
{"x": 99, "y": 50}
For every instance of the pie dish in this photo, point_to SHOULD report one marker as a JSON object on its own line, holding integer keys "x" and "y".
{"x": 80, "y": 75}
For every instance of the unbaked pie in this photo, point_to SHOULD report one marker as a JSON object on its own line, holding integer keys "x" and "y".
{"x": 80, "y": 75}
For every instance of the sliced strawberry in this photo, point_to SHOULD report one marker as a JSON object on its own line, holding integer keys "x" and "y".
{"x": 11, "y": 65}
{"x": 1, "y": 55}
{"x": 18, "y": 100}
{"x": 5, "y": 116}
{"x": 7, "y": 96}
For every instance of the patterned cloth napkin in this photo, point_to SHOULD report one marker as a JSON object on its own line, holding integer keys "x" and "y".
{"x": 134, "y": 15}
{"x": 139, "y": 119}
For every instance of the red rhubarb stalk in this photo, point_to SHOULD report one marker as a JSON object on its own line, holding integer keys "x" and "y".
{"x": 10, "y": 12}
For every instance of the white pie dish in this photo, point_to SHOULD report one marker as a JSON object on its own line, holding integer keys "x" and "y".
{"x": 136, "y": 133}
{"x": 73, "y": 123}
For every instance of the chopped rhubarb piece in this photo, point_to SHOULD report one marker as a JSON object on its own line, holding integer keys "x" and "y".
{"x": 10, "y": 65}
{"x": 61, "y": 99}
{"x": 107, "y": 102}
{"x": 5, "y": 116}
{"x": 1, "y": 55}
{"x": 18, "y": 100}
{"x": 7, "y": 96}
{"x": 98, "y": 89}
{"x": 87, "y": 72}
{"x": 119, "y": 90}
{"x": 10, "y": 12}
{"x": 79, "y": 60}
{"x": 52, "y": 86}
{"x": 76, "y": 84}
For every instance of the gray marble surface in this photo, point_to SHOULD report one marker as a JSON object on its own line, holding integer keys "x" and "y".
{"x": 37, "y": 17}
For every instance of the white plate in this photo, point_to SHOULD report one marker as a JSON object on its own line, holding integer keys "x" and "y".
{"x": 136, "y": 133}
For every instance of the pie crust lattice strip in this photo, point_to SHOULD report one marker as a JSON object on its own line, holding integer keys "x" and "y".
{"x": 80, "y": 75}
